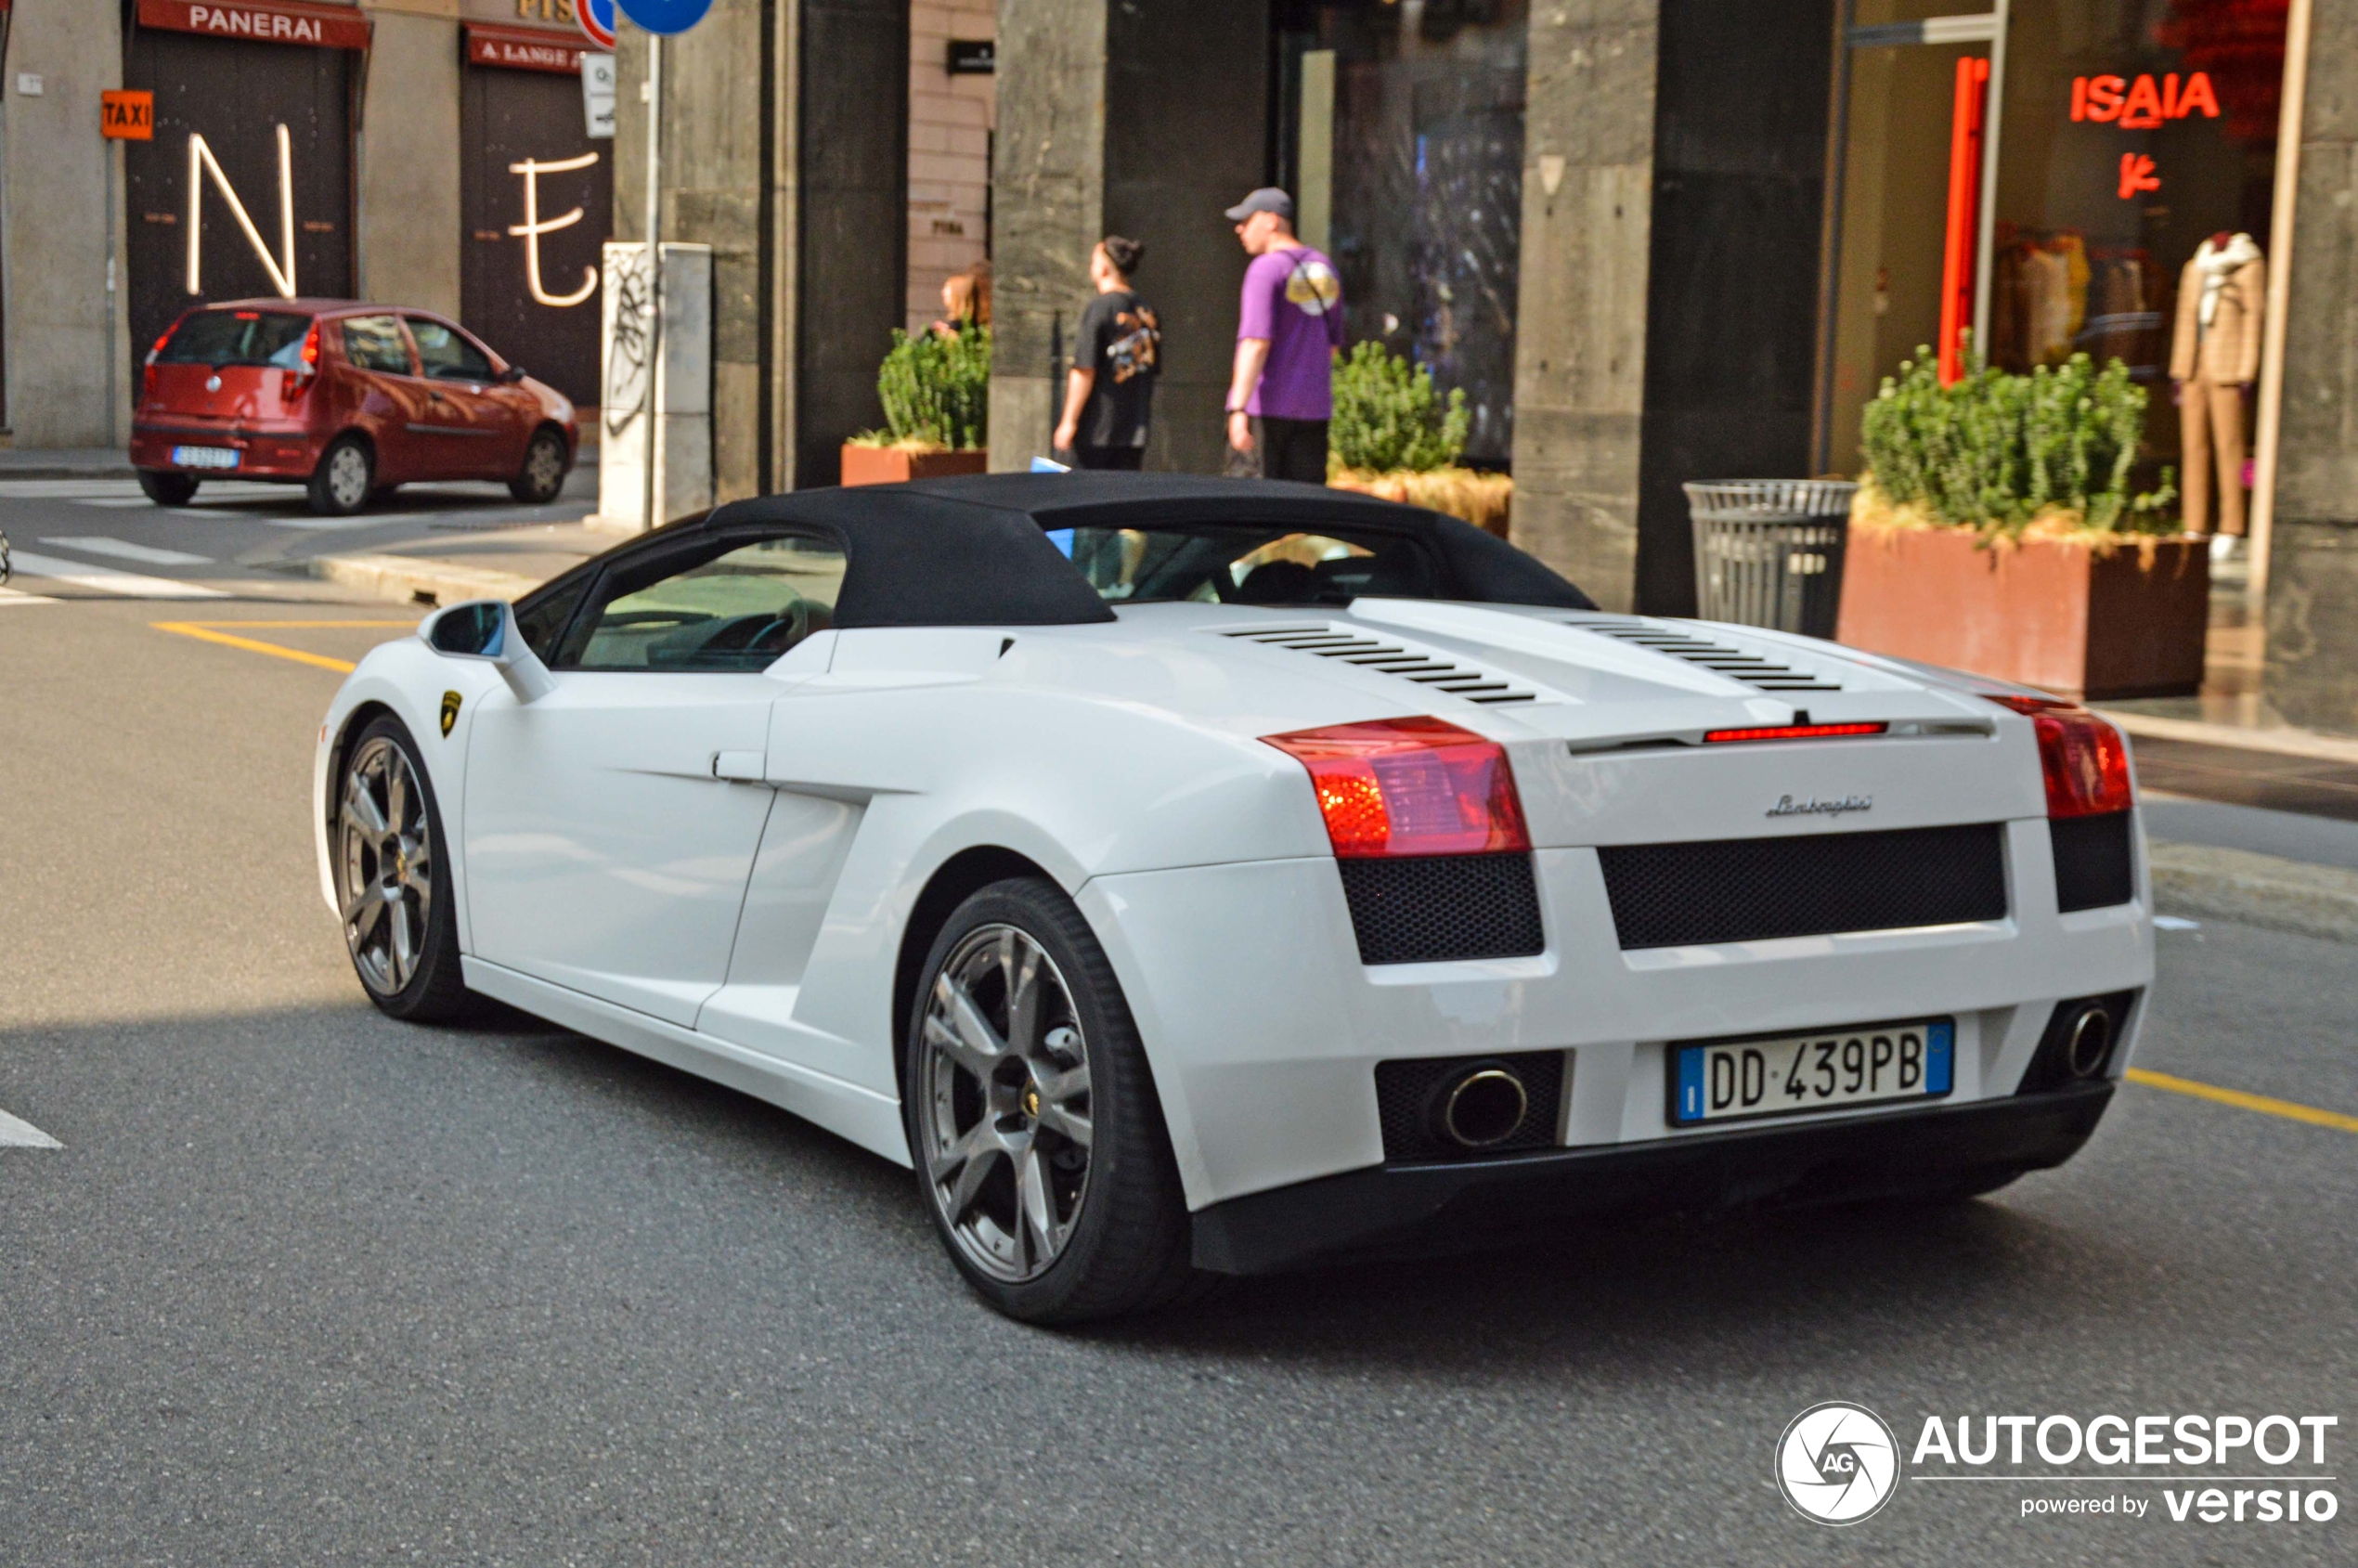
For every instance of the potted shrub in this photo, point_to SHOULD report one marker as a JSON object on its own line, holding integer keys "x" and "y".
{"x": 935, "y": 392}
{"x": 1393, "y": 436}
{"x": 1994, "y": 531}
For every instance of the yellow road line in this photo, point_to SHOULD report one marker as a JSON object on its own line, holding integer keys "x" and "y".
{"x": 2236, "y": 1097}
{"x": 209, "y": 631}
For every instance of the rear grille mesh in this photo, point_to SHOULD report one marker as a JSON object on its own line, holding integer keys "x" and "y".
{"x": 1436, "y": 909}
{"x": 1754, "y": 889}
{"x": 2092, "y": 866}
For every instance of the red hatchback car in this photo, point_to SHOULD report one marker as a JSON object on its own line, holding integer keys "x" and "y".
{"x": 344, "y": 398}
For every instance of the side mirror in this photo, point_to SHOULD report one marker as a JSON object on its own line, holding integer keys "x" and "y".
{"x": 486, "y": 630}
{"x": 512, "y": 374}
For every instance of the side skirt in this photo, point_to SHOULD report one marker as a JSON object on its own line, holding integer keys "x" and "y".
{"x": 861, "y": 1116}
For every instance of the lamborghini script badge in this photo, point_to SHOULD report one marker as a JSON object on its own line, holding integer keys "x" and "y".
{"x": 449, "y": 710}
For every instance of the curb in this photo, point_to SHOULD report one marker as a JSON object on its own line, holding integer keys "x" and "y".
{"x": 2275, "y": 895}
{"x": 409, "y": 579}
{"x": 68, "y": 471}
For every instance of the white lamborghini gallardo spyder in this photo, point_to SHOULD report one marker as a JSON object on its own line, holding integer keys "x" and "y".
{"x": 1192, "y": 877}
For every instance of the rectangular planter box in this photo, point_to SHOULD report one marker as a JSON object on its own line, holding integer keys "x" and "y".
{"x": 889, "y": 465}
{"x": 2055, "y": 615}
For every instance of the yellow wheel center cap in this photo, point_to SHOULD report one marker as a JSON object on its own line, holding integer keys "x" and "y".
{"x": 1031, "y": 1101}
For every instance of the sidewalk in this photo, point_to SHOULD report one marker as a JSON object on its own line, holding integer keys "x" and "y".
{"x": 64, "y": 462}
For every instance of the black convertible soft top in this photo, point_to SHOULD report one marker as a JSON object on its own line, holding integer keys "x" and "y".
{"x": 974, "y": 550}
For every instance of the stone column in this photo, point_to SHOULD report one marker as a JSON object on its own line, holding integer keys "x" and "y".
{"x": 1580, "y": 327}
{"x": 1148, "y": 121}
{"x": 406, "y": 251}
{"x": 784, "y": 148}
{"x": 2312, "y": 671}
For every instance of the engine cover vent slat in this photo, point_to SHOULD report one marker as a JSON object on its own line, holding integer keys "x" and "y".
{"x": 1753, "y": 669}
{"x": 1385, "y": 656}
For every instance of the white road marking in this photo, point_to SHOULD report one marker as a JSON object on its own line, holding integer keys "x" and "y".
{"x": 24, "y": 1135}
{"x": 65, "y": 489}
{"x": 329, "y": 524}
{"x": 105, "y": 579}
{"x": 13, "y": 596}
{"x": 2175, "y": 923}
{"x": 95, "y": 544}
{"x": 112, "y": 500}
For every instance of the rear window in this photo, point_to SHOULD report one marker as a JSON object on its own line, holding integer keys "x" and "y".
{"x": 237, "y": 337}
{"x": 1240, "y": 564}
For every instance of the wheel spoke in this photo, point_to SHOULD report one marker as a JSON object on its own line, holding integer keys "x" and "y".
{"x": 1073, "y": 1124}
{"x": 365, "y": 916}
{"x": 956, "y": 1024}
{"x": 1023, "y": 1002}
{"x": 1036, "y": 1207}
{"x": 403, "y": 949}
{"x": 361, "y": 807}
{"x": 974, "y": 1155}
{"x": 397, "y": 795}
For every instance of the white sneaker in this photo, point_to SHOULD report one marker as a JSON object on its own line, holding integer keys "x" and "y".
{"x": 2226, "y": 548}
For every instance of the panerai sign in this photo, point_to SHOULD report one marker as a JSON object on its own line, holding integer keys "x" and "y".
{"x": 265, "y": 22}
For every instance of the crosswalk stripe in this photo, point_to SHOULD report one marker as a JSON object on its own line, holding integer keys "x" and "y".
{"x": 90, "y": 544}
{"x": 24, "y": 1135}
{"x": 105, "y": 579}
{"x": 12, "y": 596}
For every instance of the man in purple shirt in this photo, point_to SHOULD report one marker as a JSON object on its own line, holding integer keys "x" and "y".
{"x": 1289, "y": 331}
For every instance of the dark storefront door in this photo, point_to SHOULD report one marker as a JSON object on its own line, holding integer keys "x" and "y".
{"x": 236, "y": 96}
{"x": 511, "y": 118}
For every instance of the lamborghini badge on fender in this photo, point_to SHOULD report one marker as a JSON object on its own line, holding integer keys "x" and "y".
{"x": 450, "y": 712}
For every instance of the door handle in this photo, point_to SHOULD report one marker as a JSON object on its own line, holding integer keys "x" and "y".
{"x": 738, "y": 767}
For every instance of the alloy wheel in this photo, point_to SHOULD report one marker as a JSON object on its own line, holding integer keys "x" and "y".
{"x": 544, "y": 466}
{"x": 385, "y": 858}
{"x": 1004, "y": 1069}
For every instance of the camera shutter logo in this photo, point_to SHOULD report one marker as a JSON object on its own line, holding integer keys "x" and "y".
{"x": 1837, "y": 1463}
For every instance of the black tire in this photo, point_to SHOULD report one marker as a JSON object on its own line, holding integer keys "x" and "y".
{"x": 344, "y": 479}
{"x": 382, "y": 494}
{"x": 428, "y": 989}
{"x": 545, "y": 463}
{"x": 167, "y": 489}
{"x": 1127, "y": 1247}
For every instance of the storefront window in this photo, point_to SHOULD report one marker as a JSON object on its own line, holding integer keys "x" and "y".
{"x": 2130, "y": 134}
{"x": 1420, "y": 153}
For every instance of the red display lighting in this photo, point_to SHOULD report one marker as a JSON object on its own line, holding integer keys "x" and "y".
{"x": 1792, "y": 733}
{"x": 1411, "y": 787}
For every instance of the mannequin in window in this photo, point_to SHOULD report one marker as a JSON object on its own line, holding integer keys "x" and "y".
{"x": 2213, "y": 357}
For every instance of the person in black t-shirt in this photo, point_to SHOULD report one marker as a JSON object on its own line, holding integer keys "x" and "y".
{"x": 1109, "y": 395}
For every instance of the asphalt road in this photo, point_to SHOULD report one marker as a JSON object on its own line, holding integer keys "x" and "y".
{"x": 305, "y": 1285}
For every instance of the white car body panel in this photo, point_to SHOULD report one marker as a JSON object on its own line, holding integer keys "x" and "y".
{"x": 753, "y": 932}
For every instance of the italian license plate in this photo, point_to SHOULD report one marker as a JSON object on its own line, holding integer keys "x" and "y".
{"x": 1725, "y": 1080}
{"x": 205, "y": 457}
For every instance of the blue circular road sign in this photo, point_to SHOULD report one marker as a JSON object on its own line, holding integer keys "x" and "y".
{"x": 666, "y": 17}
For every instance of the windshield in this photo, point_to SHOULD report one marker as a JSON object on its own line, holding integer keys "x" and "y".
{"x": 1245, "y": 564}
{"x": 237, "y": 337}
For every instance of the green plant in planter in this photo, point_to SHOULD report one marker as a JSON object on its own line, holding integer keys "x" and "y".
{"x": 1997, "y": 449}
{"x": 936, "y": 391}
{"x": 1389, "y": 419}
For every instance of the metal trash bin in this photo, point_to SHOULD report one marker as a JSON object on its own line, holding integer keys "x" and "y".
{"x": 1769, "y": 551}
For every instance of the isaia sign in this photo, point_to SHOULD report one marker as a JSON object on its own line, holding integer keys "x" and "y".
{"x": 2144, "y": 104}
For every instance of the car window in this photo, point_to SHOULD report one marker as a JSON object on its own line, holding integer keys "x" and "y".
{"x": 721, "y": 605}
{"x": 236, "y": 337}
{"x": 373, "y": 342}
{"x": 445, "y": 355}
{"x": 1246, "y": 565}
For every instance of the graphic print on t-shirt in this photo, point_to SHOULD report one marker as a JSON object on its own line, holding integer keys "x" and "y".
{"x": 1313, "y": 287}
{"x": 1134, "y": 352}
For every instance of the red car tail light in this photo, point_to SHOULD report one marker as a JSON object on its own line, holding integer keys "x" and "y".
{"x": 147, "y": 366}
{"x": 1411, "y": 787}
{"x": 2085, "y": 760}
{"x": 306, "y": 367}
{"x": 1792, "y": 733}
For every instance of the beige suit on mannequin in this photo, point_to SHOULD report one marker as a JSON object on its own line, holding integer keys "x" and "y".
{"x": 2213, "y": 356}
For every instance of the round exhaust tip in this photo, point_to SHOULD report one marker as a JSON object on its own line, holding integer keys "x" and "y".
{"x": 2089, "y": 1043}
{"x": 1484, "y": 1107}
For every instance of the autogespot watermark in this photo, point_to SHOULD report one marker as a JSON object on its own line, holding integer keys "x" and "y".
{"x": 1838, "y": 1463}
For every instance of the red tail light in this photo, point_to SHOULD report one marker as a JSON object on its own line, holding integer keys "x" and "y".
{"x": 1411, "y": 787}
{"x": 2086, "y": 763}
{"x": 294, "y": 386}
{"x": 1792, "y": 733}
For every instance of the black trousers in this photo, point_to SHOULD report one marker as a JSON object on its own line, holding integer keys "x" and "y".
{"x": 1126, "y": 459}
{"x": 1291, "y": 449}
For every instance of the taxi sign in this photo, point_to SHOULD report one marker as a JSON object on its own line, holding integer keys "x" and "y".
{"x": 127, "y": 116}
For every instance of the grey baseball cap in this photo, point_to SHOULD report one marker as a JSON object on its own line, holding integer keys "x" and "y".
{"x": 1268, "y": 199}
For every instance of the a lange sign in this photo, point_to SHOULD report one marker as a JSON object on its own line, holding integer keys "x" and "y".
{"x": 521, "y": 49}
{"x": 266, "y": 21}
